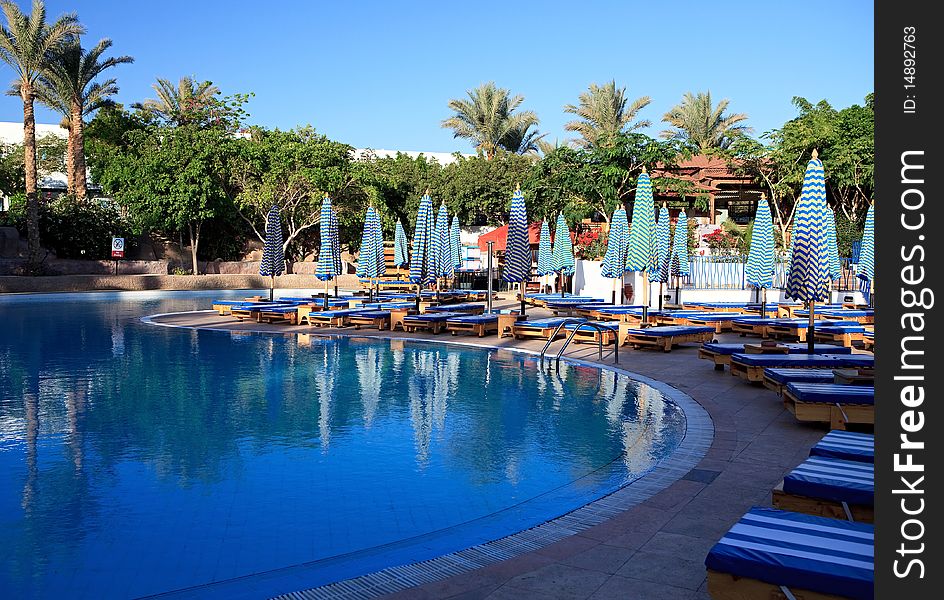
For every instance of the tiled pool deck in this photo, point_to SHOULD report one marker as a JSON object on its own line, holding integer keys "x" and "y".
{"x": 647, "y": 541}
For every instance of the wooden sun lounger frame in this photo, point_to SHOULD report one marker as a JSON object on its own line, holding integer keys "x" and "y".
{"x": 665, "y": 342}
{"x": 521, "y": 332}
{"x": 419, "y": 323}
{"x": 779, "y": 331}
{"x": 750, "y": 329}
{"x": 836, "y": 414}
{"x": 868, "y": 343}
{"x": 318, "y": 319}
{"x": 380, "y": 323}
{"x": 718, "y": 358}
{"x": 480, "y": 329}
{"x": 724, "y": 586}
{"x": 820, "y": 507}
{"x": 846, "y": 339}
{"x": 718, "y": 326}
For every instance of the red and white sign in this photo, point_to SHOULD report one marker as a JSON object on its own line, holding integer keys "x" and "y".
{"x": 117, "y": 247}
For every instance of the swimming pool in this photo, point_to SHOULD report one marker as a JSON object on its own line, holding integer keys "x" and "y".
{"x": 138, "y": 460}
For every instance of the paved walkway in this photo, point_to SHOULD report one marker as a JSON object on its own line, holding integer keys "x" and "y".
{"x": 656, "y": 550}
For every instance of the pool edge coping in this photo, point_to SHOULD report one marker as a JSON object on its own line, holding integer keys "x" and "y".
{"x": 699, "y": 435}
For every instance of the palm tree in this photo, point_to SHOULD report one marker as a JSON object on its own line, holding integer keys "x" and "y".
{"x": 26, "y": 43}
{"x": 488, "y": 117}
{"x": 605, "y": 111}
{"x": 68, "y": 86}
{"x": 522, "y": 140}
{"x": 702, "y": 124}
{"x": 180, "y": 104}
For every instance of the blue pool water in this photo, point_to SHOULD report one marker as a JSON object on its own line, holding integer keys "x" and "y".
{"x": 137, "y": 459}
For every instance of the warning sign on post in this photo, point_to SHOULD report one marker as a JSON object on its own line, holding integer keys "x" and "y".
{"x": 117, "y": 247}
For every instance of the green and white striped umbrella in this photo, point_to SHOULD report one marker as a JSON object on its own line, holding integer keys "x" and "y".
{"x": 663, "y": 246}
{"x": 455, "y": 246}
{"x": 865, "y": 270}
{"x": 680, "y": 246}
{"x": 759, "y": 270}
{"x": 642, "y": 234}
{"x": 617, "y": 242}
{"x": 545, "y": 251}
{"x": 563, "y": 248}
{"x": 401, "y": 253}
{"x": 421, "y": 260}
{"x": 370, "y": 262}
{"x": 832, "y": 245}
{"x": 442, "y": 245}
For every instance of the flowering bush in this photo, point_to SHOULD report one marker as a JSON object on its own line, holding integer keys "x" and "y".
{"x": 590, "y": 244}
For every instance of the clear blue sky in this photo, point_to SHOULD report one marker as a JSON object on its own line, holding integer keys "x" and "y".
{"x": 379, "y": 74}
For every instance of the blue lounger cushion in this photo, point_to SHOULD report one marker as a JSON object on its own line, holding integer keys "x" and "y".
{"x": 336, "y": 313}
{"x": 610, "y": 325}
{"x": 541, "y": 323}
{"x": 833, "y": 479}
{"x": 455, "y": 307}
{"x": 834, "y": 329}
{"x": 714, "y": 317}
{"x": 671, "y": 330}
{"x": 613, "y": 308}
{"x": 870, "y": 335}
{"x": 788, "y": 375}
{"x": 373, "y": 314}
{"x": 833, "y": 361}
{"x": 846, "y": 445}
{"x": 475, "y": 319}
{"x": 799, "y": 551}
{"x": 281, "y": 310}
{"x": 754, "y": 320}
{"x": 832, "y": 393}
{"x": 431, "y": 317}
{"x": 848, "y": 313}
{"x": 388, "y": 305}
{"x": 792, "y": 348}
{"x": 571, "y": 302}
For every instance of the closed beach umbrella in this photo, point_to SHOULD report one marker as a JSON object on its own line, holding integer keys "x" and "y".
{"x": 401, "y": 253}
{"x": 327, "y": 268}
{"x": 614, "y": 260}
{"x": 642, "y": 236}
{"x": 545, "y": 253}
{"x": 865, "y": 270}
{"x": 808, "y": 277}
{"x": 759, "y": 270}
{"x": 832, "y": 244}
{"x": 376, "y": 230}
{"x": 563, "y": 250}
{"x": 441, "y": 247}
{"x": 273, "y": 257}
{"x": 517, "y": 248}
{"x": 420, "y": 260}
{"x": 679, "y": 260}
{"x": 455, "y": 246}
{"x": 663, "y": 249}
{"x": 366, "y": 258}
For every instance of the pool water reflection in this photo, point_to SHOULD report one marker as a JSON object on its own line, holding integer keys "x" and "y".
{"x": 137, "y": 459}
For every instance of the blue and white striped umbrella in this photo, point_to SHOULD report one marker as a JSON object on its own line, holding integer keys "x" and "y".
{"x": 420, "y": 261}
{"x": 642, "y": 234}
{"x": 617, "y": 241}
{"x": 759, "y": 270}
{"x": 663, "y": 245}
{"x": 517, "y": 249}
{"x": 832, "y": 245}
{"x": 401, "y": 253}
{"x": 442, "y": 245}
{"x": 545, "y": 251}
{"x": 376, "y": 229}
{"x": 327, "y": 268}
{"x": 335, "y": 243}
{"x": 680, "y": 246}
{"x": 273, "y": 257}
{"x": 563, "y": 248}
{"x": 865, "y": 270}
{"x": 455, "y": 245}
{"x": 808, "y": 277}
{"x": 370, "y": 261}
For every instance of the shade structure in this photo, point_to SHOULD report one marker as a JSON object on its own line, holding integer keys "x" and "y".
{"x": 517, "y": 250}
{"x": 832, "y": 245}
{"x": 680, "y": 246}
{"x": 617, "y": 242}
{"x": 563, "y": 259}
{"x": 642, "y": 235}
{"x": 545, "y": 251}
{"x": 455, "y": 245}
{"x": 420, "y": 271}
{"x": 759, "y": 270}
{"x": 808, "y": 277}
{"x": 401, "y": 252}
{"x": 442, "y": 245}
{"x": 273, "y": 256}
{"x": 865, "y": 270}
{"x": 663, "y": 246}
{"x": 370, "y": 261}
{"x": 376, "y": 230}
{"x": 328, "y": 253}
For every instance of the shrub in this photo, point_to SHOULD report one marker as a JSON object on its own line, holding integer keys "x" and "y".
{"x": 74, "y": 229}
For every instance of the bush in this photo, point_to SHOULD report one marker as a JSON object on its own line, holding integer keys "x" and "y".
{"x": 74, "y": 229}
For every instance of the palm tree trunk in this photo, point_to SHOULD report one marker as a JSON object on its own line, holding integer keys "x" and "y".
{"x": 29, "y": 163}
{"x": 77, "y": 135}
{"x": 70, "y": 163}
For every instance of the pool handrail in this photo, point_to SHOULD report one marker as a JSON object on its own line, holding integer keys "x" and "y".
{"x": 580, "y": 323}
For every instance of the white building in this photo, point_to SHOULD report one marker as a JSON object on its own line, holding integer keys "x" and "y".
{"x": 12, "y": 133}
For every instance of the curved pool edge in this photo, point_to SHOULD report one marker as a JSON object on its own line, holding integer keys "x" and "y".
{"x": 699, "y": 434}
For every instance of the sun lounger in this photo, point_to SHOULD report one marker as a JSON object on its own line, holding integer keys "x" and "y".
{"x": 590, "y": 333}
{"x": 720, "y": 321}
{"x": 721, "y": 354}
{"x": 479, "y": 325}
{"x": 469, "y": 308}
{"x": 680, "y": 317}
{"x": 376, "y": 319}
{"x": 844, "y": 335}
{"x": 538, "y": 328}
{"x": 333, "y": 318}
{"x": 868, "y": 340}
{"x": 251, "y": 310}
{"x": 433, "y": 322}
{"x": 663, "y": 337}
{"x": 751, "y": 366}
{"x": 829, "y": 487}
{"x": 846, "y": 445}
{"x": 751, "y": 325}
{"x": 813, "y": 558}
{"x": 793, "y": 328}
{"x": 719, "y": 306}
{"x": 777, "y": 379}
{"x": 225, "y": 306}
{"x": 285, "y": 314}
{"x": 845, "y": 314}
{"x": 832, "y": 403}
{"x": 608, "y": 312}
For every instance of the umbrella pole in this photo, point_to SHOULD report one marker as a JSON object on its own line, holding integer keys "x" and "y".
{"x": 660, "y": 295}
{"x": 810, "y": 331}
{"x": 271, "y": 288}
{"x": 325, "y": 305}
{"x": 645, "y": 305}
{"x": 763, "y": 303}
{"x": 488, "y": 300}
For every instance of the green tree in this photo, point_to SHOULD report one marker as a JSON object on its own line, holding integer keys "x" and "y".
{"x": 702, "y": 124}
{"x": 26, "y": 43}
{"x": 182, "y": 104}
{"x": 488, "y": 118}
{"x": 396, "y": 183}
{"x": 479, "y": 190}
{"x": 604, "y": 111}
{"x": 68, "y": 86}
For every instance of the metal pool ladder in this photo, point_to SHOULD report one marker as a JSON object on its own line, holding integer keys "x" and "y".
{"x": 581, "y": 323}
